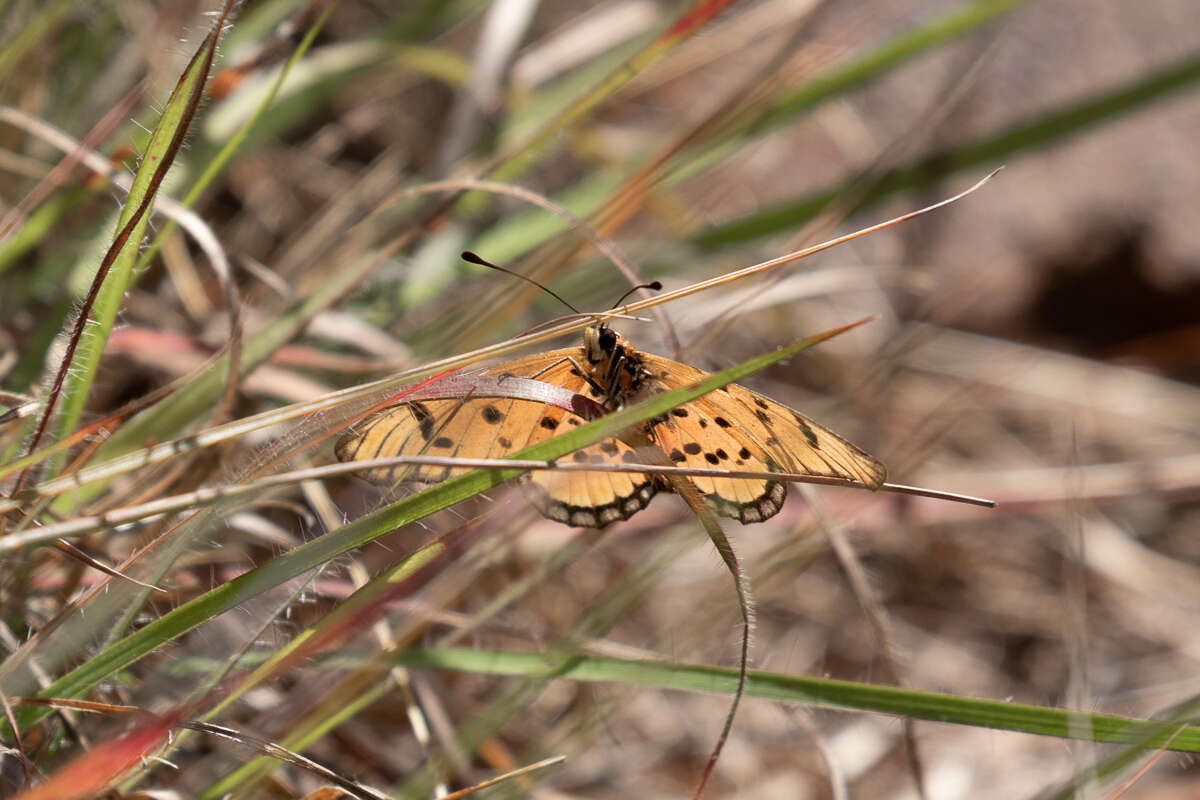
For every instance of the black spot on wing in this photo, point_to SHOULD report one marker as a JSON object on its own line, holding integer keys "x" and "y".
{"x": 808, "y": 432}
{"x": 424, "y": 419}
{"x": 491, "y": 414}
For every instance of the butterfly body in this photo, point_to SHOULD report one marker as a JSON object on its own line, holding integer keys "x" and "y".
{"x": 731, "y": 428}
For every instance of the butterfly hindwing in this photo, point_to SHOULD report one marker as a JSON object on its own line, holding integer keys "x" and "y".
{"x": 591, "y": 499}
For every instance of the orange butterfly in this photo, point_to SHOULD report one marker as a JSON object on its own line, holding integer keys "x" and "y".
{"x": 732, "y": 428}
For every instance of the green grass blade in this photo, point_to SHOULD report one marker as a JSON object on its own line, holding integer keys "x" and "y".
{"x": 1175, "y": 724}
{"x": 116, "y": 272}
{"x": 816, "y": 692}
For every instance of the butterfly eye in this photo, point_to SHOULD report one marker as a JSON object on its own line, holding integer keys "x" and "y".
{"x": 608, "y": 339}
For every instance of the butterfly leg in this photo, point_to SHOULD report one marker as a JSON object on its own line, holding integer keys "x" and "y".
{"x": 598, "y": 391}
{"x": 575, "y": 364}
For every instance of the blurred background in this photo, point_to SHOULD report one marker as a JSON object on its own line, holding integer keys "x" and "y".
{"x": 1037, "y": 342}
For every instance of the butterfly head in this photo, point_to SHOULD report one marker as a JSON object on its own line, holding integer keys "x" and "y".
{"x": 616, "y": 367}
{"x": 600, "y": 344}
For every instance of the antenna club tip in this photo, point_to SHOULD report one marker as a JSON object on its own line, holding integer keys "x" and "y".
{"x": 467, "y": 255}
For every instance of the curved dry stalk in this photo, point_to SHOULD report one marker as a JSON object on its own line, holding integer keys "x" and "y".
{"x": 516, "y": 773}
{"x": 269, "y": 748}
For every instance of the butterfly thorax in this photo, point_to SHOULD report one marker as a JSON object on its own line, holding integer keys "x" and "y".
{"x": 615, "y": 367}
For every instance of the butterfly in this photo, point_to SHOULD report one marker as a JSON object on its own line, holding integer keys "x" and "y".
{"x": 731, "y": 428}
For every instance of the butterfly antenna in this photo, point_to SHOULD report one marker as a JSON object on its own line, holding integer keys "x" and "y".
{"x": 653, "y": 285}
{"x": 467, "y": 255}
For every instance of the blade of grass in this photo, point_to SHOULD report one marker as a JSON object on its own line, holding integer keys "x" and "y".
{"x": 186, "y": 406}
{"x": 1148, "y": 745}
{"x": 94, "y": 323}
{"x": 817, "y": 692}
{"x": 215, "y": 165}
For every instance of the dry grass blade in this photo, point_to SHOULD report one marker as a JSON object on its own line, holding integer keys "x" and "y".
{"x": 269, "y": 748}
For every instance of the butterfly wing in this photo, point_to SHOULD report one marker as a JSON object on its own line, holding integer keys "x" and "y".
{"x": 495, "y": 427}
{"x": 736, "y": 429}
